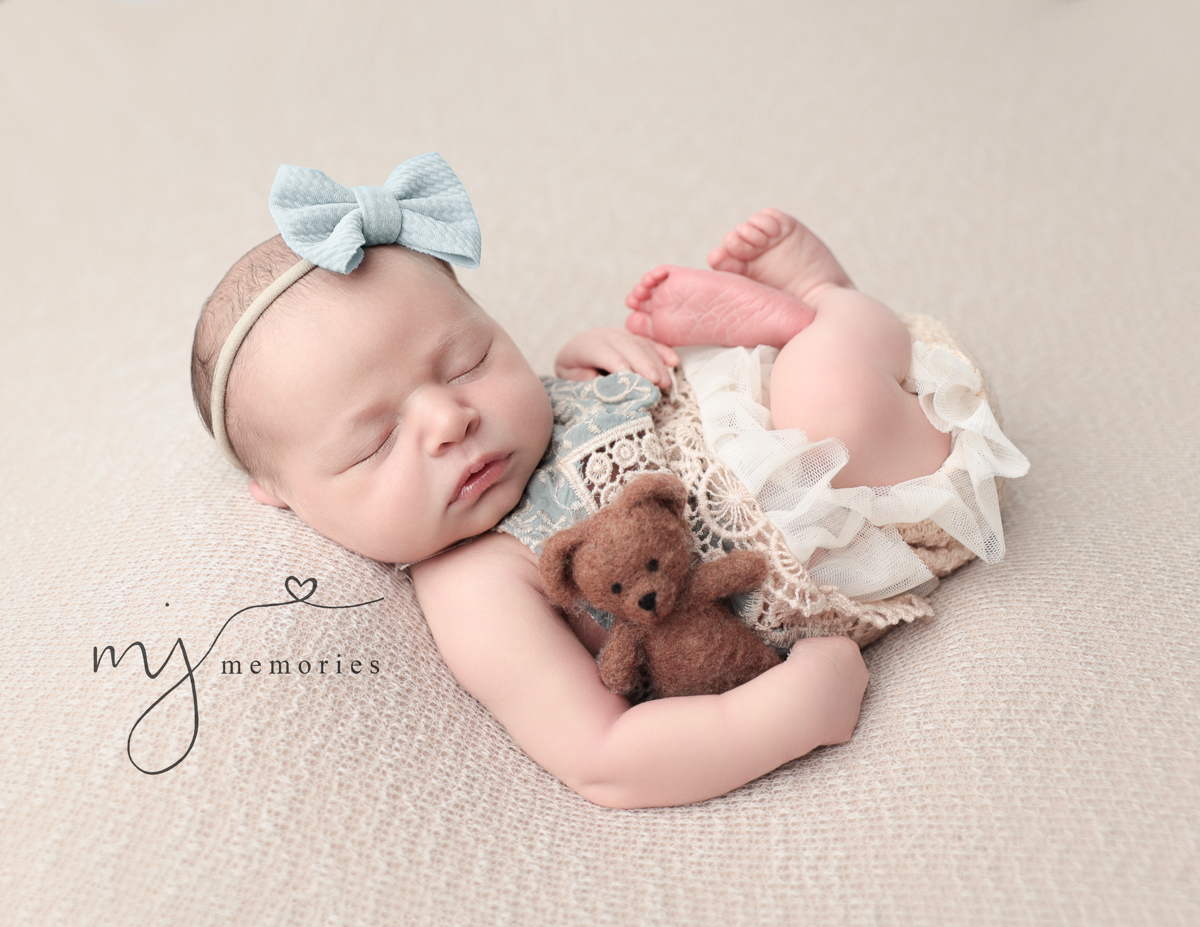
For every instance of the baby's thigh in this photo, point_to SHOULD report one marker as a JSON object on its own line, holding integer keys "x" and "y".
{"x": 828, "y": 390}
{"x": 844, "y": 381}
{"x": 843, "y": 371}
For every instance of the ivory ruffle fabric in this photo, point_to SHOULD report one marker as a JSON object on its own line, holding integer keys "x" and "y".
{"x": 847, "y": 536}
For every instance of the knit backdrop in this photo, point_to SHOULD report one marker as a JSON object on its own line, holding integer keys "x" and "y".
{"x": 1025, "y": 171}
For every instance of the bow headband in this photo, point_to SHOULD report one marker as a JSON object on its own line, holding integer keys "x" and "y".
{"x": 422, "y": 205}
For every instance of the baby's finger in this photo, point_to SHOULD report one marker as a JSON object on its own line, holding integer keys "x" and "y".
{"x": 575, "y": 373}
{"x": 647, "y": 362}
{"x": 667, "y": 353}
{"x": 659, "y": 357}
{"x": 610, "y": 357}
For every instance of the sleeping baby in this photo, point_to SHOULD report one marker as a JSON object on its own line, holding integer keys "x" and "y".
{"x": 344, "y": 368}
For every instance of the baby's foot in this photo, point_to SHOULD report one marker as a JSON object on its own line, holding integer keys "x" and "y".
{"x": 679, "y": 305}
{"x": 775, "y": 249}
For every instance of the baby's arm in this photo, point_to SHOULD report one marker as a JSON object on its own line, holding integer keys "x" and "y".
{"x": 607, "y": 350}
{"x": 511, "y": 650}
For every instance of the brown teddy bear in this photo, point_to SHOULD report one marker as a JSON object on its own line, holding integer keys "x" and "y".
{"x": 673, "y": 628}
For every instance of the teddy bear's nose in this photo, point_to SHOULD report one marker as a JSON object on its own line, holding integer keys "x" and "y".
{"x": 647, "y": 601}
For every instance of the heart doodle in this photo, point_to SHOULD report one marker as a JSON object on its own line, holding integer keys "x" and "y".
{"x": 308, "y": 588}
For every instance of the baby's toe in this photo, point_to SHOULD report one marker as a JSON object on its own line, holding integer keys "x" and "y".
{"x": 653, "y": 278}
{"x": 638, "y": 297}
{"x": 771, "y": 222}
{"x": 640, "y": 324}
{"x": 720, "y": 259}
{"x": 753, "y": 236}
{"x": 739, "y": 249}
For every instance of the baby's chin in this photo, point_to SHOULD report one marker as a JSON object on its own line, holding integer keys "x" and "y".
{"x": 406, "y": 553}
{"x": 399, "y": 555}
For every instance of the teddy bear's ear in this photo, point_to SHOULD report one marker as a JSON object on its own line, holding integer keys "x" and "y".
{"x": 556, "y": 564}
{"x": 660, "y": 488}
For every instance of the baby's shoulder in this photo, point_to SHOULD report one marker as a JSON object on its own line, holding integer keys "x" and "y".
{"x": 483, "y": 602}
{"x": 478, "y": 567}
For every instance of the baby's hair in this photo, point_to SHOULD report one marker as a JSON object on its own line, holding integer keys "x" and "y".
{"x": 250, "y": 275}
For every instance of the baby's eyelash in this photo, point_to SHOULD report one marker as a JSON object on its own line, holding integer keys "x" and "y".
{"x": 387, "y": 442}
{"x": 476, "y": 366}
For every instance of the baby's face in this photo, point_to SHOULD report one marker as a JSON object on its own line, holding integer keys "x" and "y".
{"x": 399, "y": 417}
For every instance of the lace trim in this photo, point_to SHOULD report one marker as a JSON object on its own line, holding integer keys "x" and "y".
{"x": 599, "y": 470}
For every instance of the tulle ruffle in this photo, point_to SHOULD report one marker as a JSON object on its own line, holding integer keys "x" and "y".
{"x": 846, "y": 537}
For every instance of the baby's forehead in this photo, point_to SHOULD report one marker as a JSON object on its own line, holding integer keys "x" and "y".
{"x": 404, "y": 294}
{"x": 328, "y": 315}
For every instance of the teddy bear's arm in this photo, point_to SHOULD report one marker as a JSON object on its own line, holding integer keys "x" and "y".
{"x": 619, "y": 661}
{"x": 740, "y": 571}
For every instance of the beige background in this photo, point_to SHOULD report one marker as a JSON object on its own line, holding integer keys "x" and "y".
{"x": 1027, "y": 171}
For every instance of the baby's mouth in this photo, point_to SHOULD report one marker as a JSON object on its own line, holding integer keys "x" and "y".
{"x": 480, "y": 476}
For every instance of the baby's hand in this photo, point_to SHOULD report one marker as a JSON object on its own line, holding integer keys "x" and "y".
{"x": 607, "y": 350}
{"x": 835, "y": 666}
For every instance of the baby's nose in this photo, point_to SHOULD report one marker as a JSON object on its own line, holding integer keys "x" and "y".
{"x": 446, "y": 421}
{"x": 646, "y": 602}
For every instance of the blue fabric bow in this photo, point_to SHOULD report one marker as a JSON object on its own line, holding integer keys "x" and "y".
{"x": 422, "y": 206}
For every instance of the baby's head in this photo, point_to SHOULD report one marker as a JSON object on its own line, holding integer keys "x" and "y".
{"x": 383, "y": 406}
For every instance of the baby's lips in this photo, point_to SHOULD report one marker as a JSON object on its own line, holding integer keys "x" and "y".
{"x": 485, "y": 465}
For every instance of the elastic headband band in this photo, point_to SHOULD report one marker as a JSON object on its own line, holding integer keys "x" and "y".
{"x": 234, "y": 342}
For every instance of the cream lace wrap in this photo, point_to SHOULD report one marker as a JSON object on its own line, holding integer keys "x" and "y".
{"x": 851, "y": 561}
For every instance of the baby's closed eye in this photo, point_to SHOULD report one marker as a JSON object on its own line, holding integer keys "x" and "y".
{"x": 474, "y": 368}
{"x": 381, "y": 447}
{"x": 387, "y": 443}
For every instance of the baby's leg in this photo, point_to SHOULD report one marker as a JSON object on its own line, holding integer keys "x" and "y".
{"x": 843, "y": 355}
{"x": 841, "y": 378}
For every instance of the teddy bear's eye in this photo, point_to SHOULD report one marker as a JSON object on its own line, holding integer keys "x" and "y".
{"x": 616, "y": 588}
{"x": 652, "y": 565}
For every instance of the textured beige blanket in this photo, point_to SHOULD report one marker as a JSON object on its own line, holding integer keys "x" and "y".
{"x": 1025, "y": 171}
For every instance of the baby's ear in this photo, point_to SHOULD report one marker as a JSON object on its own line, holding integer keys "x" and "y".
{"x": 556, "y": 564}
{"x": 265, "y": 496}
